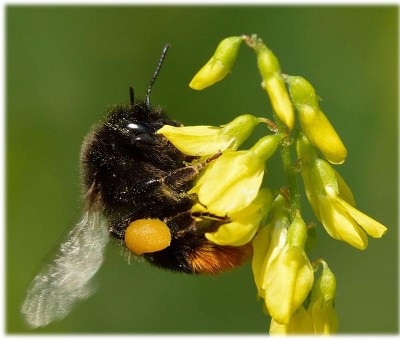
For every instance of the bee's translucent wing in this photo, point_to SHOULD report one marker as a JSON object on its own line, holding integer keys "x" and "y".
{"x": 66, "y": 280}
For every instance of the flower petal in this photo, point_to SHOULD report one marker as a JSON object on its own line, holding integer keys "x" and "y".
{"x": 276, "y": 89}
{"x": 219, "y": 65}
{"x": 321, "y": 133}
{"x": 300, "y": 323}
{"x": 212, "y": 72}
{"x": 208, "y": 140}
{"x": 372, "y": 227}
{"x": 344, "y": 190}
{"x": 196, "y": 140}
{"x": 244, "y": 223}
{"x": 314, "y": 123}
{"x": 321, "y": 306}
{"x": 273, "y": 83}
{"x": 310, "y": 188}
{"x": 261, "y": 243}
{"x": 230, "y": 184}
{"x": 288, "y": 281}
{"x": 308, "y": 156}
{"x": 340, "y": 225}
{"x": 324, "y": 317}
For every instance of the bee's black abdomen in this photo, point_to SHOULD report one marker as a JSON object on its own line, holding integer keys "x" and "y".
{"x": 191, "y": 252}
{"x": 194, "y": 254}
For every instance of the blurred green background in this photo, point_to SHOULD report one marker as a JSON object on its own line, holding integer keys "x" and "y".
{"x": 66, "y": 65}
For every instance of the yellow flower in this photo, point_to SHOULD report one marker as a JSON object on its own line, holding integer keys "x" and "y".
{"x": 274, "y": 84}
{"x": 231, "y": 182}
{"x": 314, "y": 123}
{"x": 320, "y": 316}
{"x": 244, "y": 224}
{"x": 321, "y": 307}
{"x": 268, "y": 241}
{"x": 208, "y": 140}
{"x": 289, "y": 275}
{"x": 281, "y": 269}
{"x": 332, "y": 200}
{"x": 219, "y": 65}
{"x": 300, "y": 323}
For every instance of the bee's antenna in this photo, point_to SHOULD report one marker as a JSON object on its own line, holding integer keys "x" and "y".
{"x": 153, "y": 79}
{"x": 132, "y": 95}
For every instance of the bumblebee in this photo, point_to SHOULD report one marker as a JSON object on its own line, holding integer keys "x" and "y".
{"x": 135, "y": 185}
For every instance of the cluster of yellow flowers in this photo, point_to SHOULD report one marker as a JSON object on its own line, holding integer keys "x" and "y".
{"x": 231, "y": 186}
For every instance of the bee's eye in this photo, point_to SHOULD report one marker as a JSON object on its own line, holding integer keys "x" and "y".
{"x": 140, "y": 128}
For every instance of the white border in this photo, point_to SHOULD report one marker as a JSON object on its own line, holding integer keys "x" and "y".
{"x": 145, "y": 3}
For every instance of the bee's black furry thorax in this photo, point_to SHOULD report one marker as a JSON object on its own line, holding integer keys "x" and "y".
{"x": 119, "y": 164}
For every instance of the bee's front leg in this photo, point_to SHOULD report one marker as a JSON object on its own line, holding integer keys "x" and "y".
{"x": 175, "y": 180}
{"x": 180, "y": 177}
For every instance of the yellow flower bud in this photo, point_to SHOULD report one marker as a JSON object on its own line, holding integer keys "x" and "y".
{"x": 208, "y": 140}
{"x": 332, "y": 200}
{"x": 244, "y": 224}
{"x": 321, "y": 307}
{"x": 274, "y": 85}
{"x": 231, "y": 183}
{"x": 289, "y": 276}
{"x": 219, "y": 65}
{"x": 267, "y": 62}
{"x": 314, "y": 123}
{"x": 300, "y": 323}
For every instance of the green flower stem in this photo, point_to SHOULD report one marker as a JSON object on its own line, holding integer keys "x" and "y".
{"x": 290, "y": 173}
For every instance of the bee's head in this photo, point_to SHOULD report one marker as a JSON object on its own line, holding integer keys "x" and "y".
{"x": 134, "y": 125}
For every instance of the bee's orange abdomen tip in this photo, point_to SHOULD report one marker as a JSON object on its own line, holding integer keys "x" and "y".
{"x": 147, "y": 236}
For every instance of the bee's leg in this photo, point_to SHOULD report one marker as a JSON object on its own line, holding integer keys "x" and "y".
{"x": 175, "y": 179}
{"x": 180, "y": 223}
{"x": 188, "y": 222}
{"x": 178, "y": 178}
{"x": 147, "y": 185}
